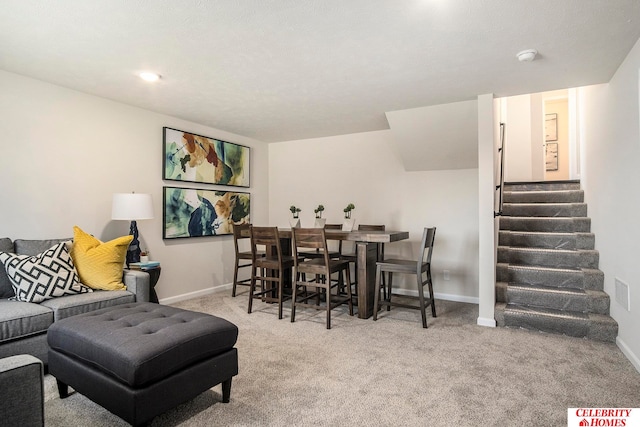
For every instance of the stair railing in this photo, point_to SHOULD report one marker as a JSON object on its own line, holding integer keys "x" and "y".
{"x": 500, "y": 185}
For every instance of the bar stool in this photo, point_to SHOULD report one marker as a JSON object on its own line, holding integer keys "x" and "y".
{"x": 418, "y": 267}
{"x": 268, "y": 269}
{"x": 321, "y": 269}
{"x": 240, "y": 232}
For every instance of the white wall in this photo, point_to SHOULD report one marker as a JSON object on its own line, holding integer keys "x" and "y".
{"x": 610, "y": 176}
{"x": 365, "y": 169}
{"x": 518, "y": 158}
{"x": 65, "y": 153}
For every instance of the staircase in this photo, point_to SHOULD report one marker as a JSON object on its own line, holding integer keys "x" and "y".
{"x": 547, "y": 273}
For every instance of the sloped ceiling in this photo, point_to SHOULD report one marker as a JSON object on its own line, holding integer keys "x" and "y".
{"x": 295, "y": 69}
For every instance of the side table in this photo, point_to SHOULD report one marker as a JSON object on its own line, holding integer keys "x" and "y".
{"x": 154, "y": 275}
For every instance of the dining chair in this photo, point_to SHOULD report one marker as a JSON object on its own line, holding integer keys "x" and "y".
{"x": 268, "y": 269}
{"x": 419, "y": 267}
{"x": 306, "y": 253}
{"x": 241, "y": 232}
{"x": 316, "y": 273}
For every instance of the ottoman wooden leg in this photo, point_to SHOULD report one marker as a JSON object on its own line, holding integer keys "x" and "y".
{"x": 63, "y": 389}
{"x": 226, "y": 390}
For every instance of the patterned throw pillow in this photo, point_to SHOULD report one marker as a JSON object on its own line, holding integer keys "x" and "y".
{"x": 40, "y": 277}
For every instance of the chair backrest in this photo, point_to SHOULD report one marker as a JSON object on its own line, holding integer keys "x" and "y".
{"x": 240, "y": 231}
{"x": 428, "y": 237}
{"x": 309, "y": 238}
{"x": 267, "y": 237}
{"x": 335, "y": 227}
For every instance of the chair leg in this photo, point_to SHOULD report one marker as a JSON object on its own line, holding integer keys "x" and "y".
{"x": 327, "y": 295}
{"x": 431, "y": 297}
{"x": 389, "y": 291}
{"x": 349, "y": 294}
{"x": 293, "y": 298}
{"x": 376, "y": 294}
{"x": 252, "y": 289}
{"x": 423, "y": 309}
{"x": 280, "y": 292}
{"x": 235, "y": 279}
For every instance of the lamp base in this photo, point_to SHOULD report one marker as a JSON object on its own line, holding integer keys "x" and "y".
{"x": 133, "y": 252}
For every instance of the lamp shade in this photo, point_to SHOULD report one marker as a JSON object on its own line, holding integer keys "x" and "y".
{"x": 132, "y": 206}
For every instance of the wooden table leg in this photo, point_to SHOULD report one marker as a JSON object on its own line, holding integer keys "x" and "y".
{"x": 366, "y": 275}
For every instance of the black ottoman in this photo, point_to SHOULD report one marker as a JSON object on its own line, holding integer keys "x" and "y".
{"x": 139, "y": 360}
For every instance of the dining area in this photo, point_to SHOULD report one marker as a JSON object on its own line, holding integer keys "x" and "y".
{"x": 329, "y": 266}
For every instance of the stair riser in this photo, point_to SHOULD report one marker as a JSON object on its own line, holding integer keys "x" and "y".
{"x": 566, "y": 210}
{"x": 581, "y": 303}
{"x": 542, "y": 186}
{"x": 579, "y": 279}
{"x": 547, "y": 240}
{"x": 581, "y": 259}
{"x": 571, "y": 196}
{"x": 562, "y": 225}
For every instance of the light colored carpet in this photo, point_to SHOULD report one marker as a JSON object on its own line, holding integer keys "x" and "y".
{"x": 388, "y": 373}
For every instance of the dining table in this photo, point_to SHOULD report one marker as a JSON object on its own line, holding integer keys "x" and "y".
{"x": 366, "y": 244}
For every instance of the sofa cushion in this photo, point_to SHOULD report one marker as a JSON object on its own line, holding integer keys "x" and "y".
{"x": 35, "y": 247}
{"x": 22, "y": 319}
{"x": 47, "y": 275}
{"x": 99, "y": 264}
{"x": 83, "y": 303}
{"x": 6, "y": 291}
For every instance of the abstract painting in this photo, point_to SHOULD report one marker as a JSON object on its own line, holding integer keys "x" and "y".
{"x": 196, "y": 158}
{"x": 190, "y": 212}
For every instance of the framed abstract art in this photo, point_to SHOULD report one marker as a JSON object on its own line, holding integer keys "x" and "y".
{"x": 191, "y": 212}
{"x": 195, "y": 158}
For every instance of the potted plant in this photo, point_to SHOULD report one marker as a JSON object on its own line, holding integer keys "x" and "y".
{"x": 349, "y": 223}
{"x": 347, "y": 210}
{"x": 319, "y": 220}
{"x": 295, "y": 211}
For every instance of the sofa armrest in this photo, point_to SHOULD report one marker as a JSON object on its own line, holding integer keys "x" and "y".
{"x": 139, "y": 283}
{"x": 22, "y": 390}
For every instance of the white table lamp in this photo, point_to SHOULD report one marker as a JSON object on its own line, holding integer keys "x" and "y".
{"x": 132, "y": 207}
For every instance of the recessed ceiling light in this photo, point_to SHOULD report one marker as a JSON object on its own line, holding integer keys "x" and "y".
{"x": 527, "y": 55}
{"x": 149, "y": 77}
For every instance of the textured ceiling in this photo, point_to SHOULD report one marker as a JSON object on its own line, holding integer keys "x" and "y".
{"x": 292, "y": 69}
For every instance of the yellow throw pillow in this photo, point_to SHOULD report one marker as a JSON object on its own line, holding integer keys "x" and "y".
{"x": 99, "y": 264}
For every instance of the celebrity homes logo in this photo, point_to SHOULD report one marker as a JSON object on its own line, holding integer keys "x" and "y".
{"x": 603, "y": 417}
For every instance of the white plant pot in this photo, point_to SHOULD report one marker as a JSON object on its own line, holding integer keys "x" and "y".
{"x": 320, "y": 222}
{"x": 294, "y": 222}
{"x": 348, "y": 224}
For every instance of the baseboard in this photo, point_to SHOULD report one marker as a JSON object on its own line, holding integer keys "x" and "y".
{"x": 485, "y": 321}
{"x": 196, "y": 294}
{"x": 635, "y": 361}
{"x": 400, "y": 291}
{"x": 446, "y": 297}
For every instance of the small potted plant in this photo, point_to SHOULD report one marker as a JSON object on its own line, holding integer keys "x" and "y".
{"x": 319, "y": 220}
{"x": 295, "y": 211}
{"x": 348, "y": 221}
{"x": 347, "y": 210}
{"x": 295, "y": 221}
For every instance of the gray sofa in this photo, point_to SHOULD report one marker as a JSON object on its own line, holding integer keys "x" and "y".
{"x": 23, "y": 325}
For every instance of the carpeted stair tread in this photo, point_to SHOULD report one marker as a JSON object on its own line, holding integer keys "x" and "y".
{"x": 557, "y": 196}
{"x": 544, "y": 210}
{"x": 573, "y": 299}
{"x": 557, "y": 258}
{"x": 548, "y": 224}
{"x": 548, "y": 240}
{"x": 587, "y": 325}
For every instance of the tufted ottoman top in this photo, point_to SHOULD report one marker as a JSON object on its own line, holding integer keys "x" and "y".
{"x": 140, "y": 343}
